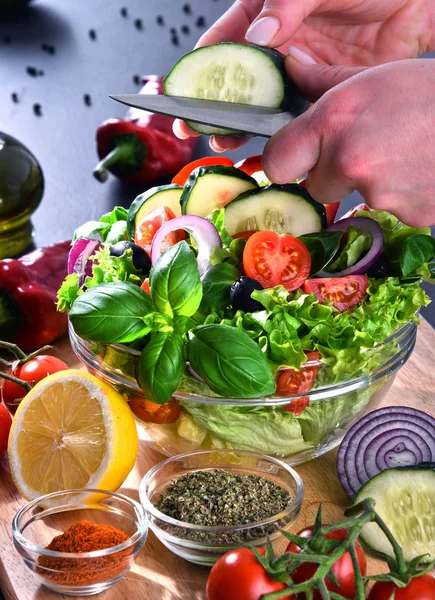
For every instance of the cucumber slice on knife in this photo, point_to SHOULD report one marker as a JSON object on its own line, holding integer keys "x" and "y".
{"x": 213, "y": 187}
{"x": 405, "y": 500}
{"x": 162, "y": 195}
{"x": 231, "y": 72}
{"x": 285, "y": 208}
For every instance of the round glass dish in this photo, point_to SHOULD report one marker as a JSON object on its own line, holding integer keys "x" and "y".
{"x": 263, "y": 425}
{"x": 85, "y": 573}
{"x": 205, "y": 545}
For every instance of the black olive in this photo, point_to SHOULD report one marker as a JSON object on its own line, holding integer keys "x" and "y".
{"x": 381, "y": 268}
{"x": 240, "y": 294}
{"x": 141, "y": 260}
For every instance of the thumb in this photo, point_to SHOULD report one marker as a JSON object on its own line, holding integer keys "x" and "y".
{"x": 314, "y": 79}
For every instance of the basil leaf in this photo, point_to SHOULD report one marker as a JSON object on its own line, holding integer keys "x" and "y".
{"x": 161, "y": 366}
{"x": 111, "y": 313}
{"x": 322, "y": 248}
{"x": 216, "y": 285}
{"x": 119, "y": 213}
{"x": 91, "y": 229}
{"x": 175, "y": 283}
{"x": 417, "y": 250}
{"x": 230, "y": 362}
{"x": 117, "y": 233}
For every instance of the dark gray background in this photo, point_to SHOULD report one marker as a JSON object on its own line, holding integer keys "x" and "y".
{"x": 63, "y": 138}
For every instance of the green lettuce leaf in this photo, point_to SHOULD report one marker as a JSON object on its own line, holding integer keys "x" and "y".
{"x": 357, "y": 244}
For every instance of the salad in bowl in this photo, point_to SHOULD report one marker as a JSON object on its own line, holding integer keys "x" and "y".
{"x": 235, "y": 313}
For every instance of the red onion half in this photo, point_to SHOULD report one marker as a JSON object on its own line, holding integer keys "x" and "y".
{"x": 368, "y": 260}
{"x": 78, "y": 259}
{"x": 389, "y": 437}
{"x": 204, "y": 233}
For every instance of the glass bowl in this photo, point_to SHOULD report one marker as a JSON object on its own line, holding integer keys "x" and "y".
{"x": 205, "y": 545}
{"x": 274, "y": 425}
{"x": 85, "y": 573}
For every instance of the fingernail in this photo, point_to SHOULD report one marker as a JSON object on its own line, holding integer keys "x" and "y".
{"x": 301, "y": 57}
{"x": 263, "y": 31}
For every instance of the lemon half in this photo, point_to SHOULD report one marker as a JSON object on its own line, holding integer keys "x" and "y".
{"x": 71, "y": 431}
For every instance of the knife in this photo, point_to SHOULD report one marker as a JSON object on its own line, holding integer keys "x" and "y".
{"x": 241, "y": 118}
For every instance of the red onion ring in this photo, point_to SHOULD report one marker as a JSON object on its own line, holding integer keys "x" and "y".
{"x": 78, "y": 259}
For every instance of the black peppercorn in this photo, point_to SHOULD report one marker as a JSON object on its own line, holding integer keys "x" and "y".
{"x": 175, "y": 40}
{"x": 187, "y": 9}
{"x": 92, "y": 34}
{"x": 185, "y": 29}
{"x": 14, "y": 97}
{"x": 160, "y": 20}
{"x": 200, "y": 21}
{"x": 136, "y": 79}
{"x": 124, "y": 12}
{"x": 32, "y": 71}
{"x": 138, "y": 23}
{"x": 87, "y": 99}
{"x": 37, "y": 109}
{"x": 173, "y": 31}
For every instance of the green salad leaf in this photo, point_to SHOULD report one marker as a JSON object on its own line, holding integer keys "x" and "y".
{"x": 161, "y": 365}
{"x": 217, "y": 218}
{"x": 417, "y": 251}
{"x": 175, "y": 283}
{"x": 357, "y": 244}
{"x": 216, "y": 284}
{"x": 229, "y": 362}
{"x": 111, "y": 313}
{"x": 322, "y": 247}
{"x": 111, "y": 227}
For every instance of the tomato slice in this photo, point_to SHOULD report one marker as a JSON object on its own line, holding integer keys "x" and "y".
{"x": 146, "y": 286}
{"x": 343, "y": 292}
{"x": 244, "y": 235}
{"x": 331, "y": 209}
{"x": 182, "y": 176}
{"x": 150, "y": 412}
{"x": 148, "y": 227}
{"x": 274, "y": 259}
{"x": 297, "y": 382}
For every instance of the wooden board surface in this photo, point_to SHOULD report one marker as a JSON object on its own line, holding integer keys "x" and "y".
{"x": 158, "y": 574}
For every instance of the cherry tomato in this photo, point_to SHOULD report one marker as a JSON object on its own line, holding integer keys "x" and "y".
{"x": 244, "y": 235}
{"x": 148, "y": 227}
{"x": 342, "y": 569}
{"x": 419, "y": 588}
{"x": 32, "y": 371}
{"x": 331, "y": 209}
{"x": 238, "y": 575}
{"x": 150, "y": 412}
{"x": 274, "y": 259}
{"x": 146, "y": 286}
{"x": 343, "y": 292}
{"x": 5, "y": 425}
{"x": 250, "y": 165}
{"x": 182, "y": 176}
{"x": 296, "y": 382}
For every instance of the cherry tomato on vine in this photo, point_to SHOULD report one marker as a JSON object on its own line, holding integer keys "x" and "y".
{"x": 274, "y": 259}
{"x": 182, "y": 176}
{"x": 343, "y": 292}
{"x": 5, "y": 425}
{"x": 238, "y": 575}
{"x": 419, "y": 588}
{"x": 297, "y": 382}
{"x": 150, "y": 412}
{"x": 151, "y": 223}
{"x": 342, "y": 569}
{"x": 32, "y": 371}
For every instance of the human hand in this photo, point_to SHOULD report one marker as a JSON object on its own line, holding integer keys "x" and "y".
{"x": 344, "y": 32}
{"x": 370, "y": 130}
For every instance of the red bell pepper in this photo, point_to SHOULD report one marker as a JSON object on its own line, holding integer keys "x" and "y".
{"x": 208, "y": 161}
{"x": 141, "y": 148}
{"x": 28, "y": 287}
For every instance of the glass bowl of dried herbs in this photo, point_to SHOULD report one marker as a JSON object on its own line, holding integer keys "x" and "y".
{"x": 202, "y": 504}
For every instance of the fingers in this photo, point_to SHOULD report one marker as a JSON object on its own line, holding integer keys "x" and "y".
{"x": 315, "y": 79}
{"x": 233, "y": 24}
{"x": 279, "y": 20}
{"x": 221, "y": 143}
{"x": 182, "y": 130}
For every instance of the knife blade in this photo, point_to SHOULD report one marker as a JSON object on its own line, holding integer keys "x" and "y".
{"x": 241, "y": 118}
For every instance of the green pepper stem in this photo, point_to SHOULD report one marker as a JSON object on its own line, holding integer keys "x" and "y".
{"x": 20, "y": 382}
{"x": 123, "y": 152}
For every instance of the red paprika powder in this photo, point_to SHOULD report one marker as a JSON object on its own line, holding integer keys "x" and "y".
{"x": 85, "y": 536}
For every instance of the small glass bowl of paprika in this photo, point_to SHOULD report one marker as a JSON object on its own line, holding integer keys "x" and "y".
{"x": 80, "y": 544}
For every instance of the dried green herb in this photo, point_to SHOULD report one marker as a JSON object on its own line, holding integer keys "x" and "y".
{"x": 214, "y": 498}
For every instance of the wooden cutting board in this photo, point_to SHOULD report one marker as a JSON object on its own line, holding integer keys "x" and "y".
{"x": 160, "y": 575}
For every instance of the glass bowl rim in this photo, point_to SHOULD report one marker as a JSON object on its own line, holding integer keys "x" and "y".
{"x": 406, "y": 333}
{"x": 22, "y": 540}
{"x": 294, "y": 504}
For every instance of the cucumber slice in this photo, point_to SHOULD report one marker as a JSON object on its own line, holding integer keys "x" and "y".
{"x": 285, "y": 208}
{"x": 162, "y": 195}
{"x": 213, "y": 187}
{"x": 231, "y": 72}
{"x": 405, "y": 500}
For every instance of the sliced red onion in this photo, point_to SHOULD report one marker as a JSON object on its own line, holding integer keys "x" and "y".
{"x": 389, "y": 437}
{"x": 78, "y": 259}
{"x": 204, "y": 233}
{"x": 367, "y": 261}
{"x": 194, "y": 374}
